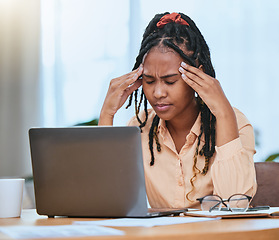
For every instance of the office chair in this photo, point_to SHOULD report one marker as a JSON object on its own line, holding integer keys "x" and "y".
{"x": 267, "y": 175}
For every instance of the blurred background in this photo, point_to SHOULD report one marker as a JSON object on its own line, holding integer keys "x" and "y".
{"x": 57, "y": 58}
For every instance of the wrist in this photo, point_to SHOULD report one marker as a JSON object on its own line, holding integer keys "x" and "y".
{"x": 105, "y": 119}
{"x": 226, "y": 112}
{"x": 226, "y": 127}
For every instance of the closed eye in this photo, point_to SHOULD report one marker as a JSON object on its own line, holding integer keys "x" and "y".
{"x": 170, "y": 82}
{"x": 149, "y": 81}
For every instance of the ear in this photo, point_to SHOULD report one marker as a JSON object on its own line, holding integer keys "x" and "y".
{"x": 201, "y": 68}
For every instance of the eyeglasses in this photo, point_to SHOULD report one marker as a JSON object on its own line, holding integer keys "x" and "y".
{"x": 235, "y": 203}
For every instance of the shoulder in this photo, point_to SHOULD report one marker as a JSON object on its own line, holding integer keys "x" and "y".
{"x": 142, "y": 116}
{"x": 242, "y": 120}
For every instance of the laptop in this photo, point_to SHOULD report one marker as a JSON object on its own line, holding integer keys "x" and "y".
{"x": 90, "y": 172}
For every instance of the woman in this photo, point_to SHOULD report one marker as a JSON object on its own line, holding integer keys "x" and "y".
{"x": 194, "y": 143}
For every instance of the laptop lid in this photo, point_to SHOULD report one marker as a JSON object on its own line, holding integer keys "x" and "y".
{"x": 88, "y": 171}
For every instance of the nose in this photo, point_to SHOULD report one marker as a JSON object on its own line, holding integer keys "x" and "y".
{"x": 160, "y": 90}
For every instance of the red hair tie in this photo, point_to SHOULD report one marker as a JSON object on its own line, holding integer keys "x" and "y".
{"x": 173, "y": 17}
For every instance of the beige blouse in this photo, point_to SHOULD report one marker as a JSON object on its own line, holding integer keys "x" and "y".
{"x": 231, "y": 169}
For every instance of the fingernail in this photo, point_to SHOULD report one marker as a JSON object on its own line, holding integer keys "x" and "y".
{"x": 183, "y": 75}
{"x": 183, "y": 64}
{"x": 181, "y": 69}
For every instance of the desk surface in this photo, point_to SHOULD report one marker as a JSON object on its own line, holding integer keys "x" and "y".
{"x": 243, "y": 228}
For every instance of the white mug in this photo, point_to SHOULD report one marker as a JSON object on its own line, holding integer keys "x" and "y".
{"x": 11, "y": 195}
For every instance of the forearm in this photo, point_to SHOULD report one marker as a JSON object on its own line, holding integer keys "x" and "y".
{"x": 226, "y": 126}
{"x": 233, "y": 170}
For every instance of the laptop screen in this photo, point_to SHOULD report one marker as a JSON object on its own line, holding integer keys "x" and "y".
{"x": 88, "y": 171}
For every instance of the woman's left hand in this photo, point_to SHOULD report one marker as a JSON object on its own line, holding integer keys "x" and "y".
{"x": 211, "y": 92}
{"x": 207, "y": 87}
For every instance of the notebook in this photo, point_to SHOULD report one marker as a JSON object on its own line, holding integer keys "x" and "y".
{"x": 89, "y": 172}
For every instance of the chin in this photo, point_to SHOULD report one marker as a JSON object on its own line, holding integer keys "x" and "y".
{"x": 164, "y": 116}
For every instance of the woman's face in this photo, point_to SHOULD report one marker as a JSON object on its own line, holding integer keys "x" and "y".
{"x": 163, "y": 86}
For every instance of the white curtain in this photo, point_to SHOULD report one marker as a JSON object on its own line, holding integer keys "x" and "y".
{"x": 19, "y": 83}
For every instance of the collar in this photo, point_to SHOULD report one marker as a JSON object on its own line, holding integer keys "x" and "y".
{"x": 162, "y": 128}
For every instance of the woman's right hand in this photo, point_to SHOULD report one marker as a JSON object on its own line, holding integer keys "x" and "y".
{"x": 119, "y": 90}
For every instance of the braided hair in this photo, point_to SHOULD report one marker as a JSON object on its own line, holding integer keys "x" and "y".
{"x": 179, "y": 37}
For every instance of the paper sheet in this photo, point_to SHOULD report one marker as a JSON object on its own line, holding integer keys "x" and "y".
{"x": 143, "y": 222}
{"x": 27, "y": 232}
{"x": 226, "y": 214}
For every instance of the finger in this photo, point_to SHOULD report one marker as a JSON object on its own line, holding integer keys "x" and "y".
{"x": 133, "y": 87}
{"x": 185, "y": 76}
{"x": 198, "y": 75}
{"x": 194, "y": 70}
{"x": 195, "y": 78}
{"x": 121, "y": 83}
{"x": 191, "y": 83}
{"x": 132, "y": 73}
{"x": 116, "y": 82}
{"x": 202, "y": 79}
{"x": 132, "y": 78}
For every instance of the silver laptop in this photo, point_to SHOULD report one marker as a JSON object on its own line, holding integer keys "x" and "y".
{"x": 89, "y": 172}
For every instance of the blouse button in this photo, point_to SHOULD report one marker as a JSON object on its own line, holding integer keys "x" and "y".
{"x": 179, "y": 183}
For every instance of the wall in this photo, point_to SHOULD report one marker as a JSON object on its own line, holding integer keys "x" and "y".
{"x": 19, "y": 83}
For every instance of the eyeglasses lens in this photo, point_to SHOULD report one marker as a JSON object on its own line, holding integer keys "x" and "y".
{"x": 238, "y": 203}
{"x": 211, "y": 203}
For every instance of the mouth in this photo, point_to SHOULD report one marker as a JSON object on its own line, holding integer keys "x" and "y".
{"x": 162, "y": 107}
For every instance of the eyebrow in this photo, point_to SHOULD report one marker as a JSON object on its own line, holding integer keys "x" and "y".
{"x": 163, "y": 77}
